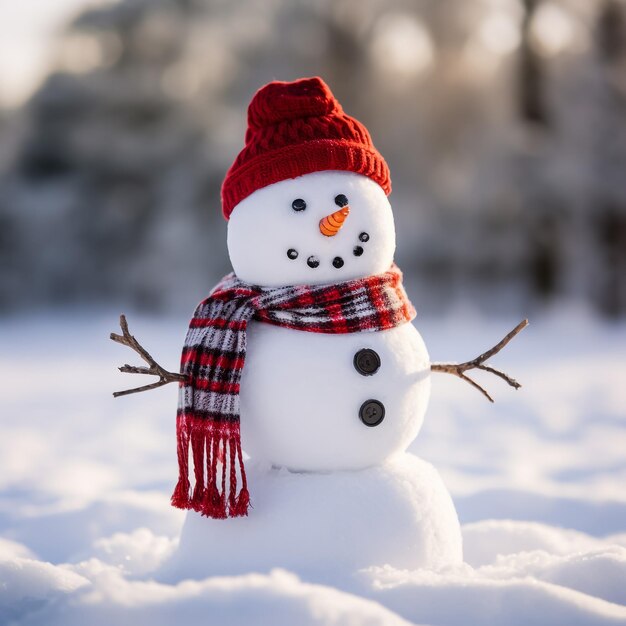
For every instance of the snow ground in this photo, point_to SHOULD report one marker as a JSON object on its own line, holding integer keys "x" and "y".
{"x": 538, "y": 482}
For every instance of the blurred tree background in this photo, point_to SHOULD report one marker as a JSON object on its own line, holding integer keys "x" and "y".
{"x": 503, "y": 122}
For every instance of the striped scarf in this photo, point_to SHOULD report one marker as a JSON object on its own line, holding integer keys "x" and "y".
{"x": 213, "y": 358}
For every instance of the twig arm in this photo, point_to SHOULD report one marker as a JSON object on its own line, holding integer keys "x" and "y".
{"x": 153, "y": 369}
{"x": 459, "y": 369}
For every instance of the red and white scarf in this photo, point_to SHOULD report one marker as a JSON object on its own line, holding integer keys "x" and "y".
{"x": 213, "y": 358}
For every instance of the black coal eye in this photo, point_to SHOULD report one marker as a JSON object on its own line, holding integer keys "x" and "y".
{"x": 292, "y": 254}
{"x": 341, "y": 200}
{"x": 298, "y": 204}
{"x": 358, "y": 251}
{"x": 364, "y": 237}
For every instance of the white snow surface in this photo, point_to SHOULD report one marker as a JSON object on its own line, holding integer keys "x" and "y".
{"x": 537, "y": 480}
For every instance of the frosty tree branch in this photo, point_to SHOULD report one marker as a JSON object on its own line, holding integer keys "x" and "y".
{"x": 459, "y": 369}
{"x": 153, "y": 369}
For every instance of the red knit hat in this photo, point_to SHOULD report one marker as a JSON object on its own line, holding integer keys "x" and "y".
{"x": 294, "y": 129}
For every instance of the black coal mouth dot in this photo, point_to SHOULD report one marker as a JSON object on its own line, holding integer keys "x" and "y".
{"x": 338, "y": 262}
{"x": 292, "y": 253}
{"x": 364, "y": 237}
{"x": 312, "y": 262}
{"x": 358, "y": 251}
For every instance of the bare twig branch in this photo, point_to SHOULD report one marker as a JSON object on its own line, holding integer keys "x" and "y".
{"x": 459, "y": 369}
{"x": 153, "y": 369}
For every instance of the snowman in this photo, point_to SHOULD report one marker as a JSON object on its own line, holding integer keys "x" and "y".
{"x": 303, "y": 380}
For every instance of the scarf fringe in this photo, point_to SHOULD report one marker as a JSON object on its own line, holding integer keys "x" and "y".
{"x": 216, "y": 455}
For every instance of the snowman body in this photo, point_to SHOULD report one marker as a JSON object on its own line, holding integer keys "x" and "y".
{"x": 304, "y": 396}
{"x": 326, "y": 419}
{"x": 326, "y": 526}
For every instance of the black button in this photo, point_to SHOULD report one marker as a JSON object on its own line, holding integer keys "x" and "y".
{"x": 366, "y": 361}
{"x": 372, "y": 412}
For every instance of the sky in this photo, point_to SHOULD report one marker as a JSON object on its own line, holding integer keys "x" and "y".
{"x": 27, "y": 33}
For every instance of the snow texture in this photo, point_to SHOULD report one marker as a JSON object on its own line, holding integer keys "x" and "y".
{"x": 537, "y": 480}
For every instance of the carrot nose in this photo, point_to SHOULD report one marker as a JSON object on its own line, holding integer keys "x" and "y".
{"x": 330, "y": 225}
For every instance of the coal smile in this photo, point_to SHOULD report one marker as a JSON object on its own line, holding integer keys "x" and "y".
{"x": 338, "y": 262}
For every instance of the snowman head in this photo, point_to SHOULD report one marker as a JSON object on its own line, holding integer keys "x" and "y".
{"x": 324, "y": 227}
{"x": 306, "y": 198}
